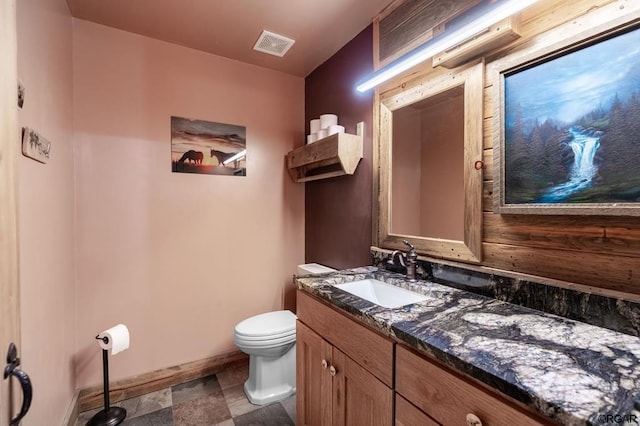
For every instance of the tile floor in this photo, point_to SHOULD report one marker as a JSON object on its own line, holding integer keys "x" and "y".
{"x": 213, "y": 400}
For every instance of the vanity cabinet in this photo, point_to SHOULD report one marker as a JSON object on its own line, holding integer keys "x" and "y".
{"x": 344, "y": 370}
{"x": 349, "y": 374}
{"x": 445, "y": 398}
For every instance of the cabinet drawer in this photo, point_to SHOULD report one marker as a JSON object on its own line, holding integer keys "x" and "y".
{"x": 369, "y": 349}
{"x": 448, "y": 398}
{"x": 408, "y": 415}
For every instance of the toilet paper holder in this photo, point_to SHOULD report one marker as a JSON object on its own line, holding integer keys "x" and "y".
{"x": 104, "y": 339}
{"x": 109, "y": 415}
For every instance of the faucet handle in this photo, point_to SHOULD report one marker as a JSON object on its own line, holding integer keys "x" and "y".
{"x": 412, "y": 256}
{"x": 412, "y": 261}
{"x": 408, "y": 244}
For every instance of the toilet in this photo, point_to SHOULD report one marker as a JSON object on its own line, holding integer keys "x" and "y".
{"x": 270, "y": 341}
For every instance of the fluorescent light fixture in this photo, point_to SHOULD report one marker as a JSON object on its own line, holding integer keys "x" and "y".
{"x": 481, "y": 19}
{"x": 237, "y": 156}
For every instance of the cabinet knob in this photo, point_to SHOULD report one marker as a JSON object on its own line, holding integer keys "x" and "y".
{"x": 332, "y": 370}
{"x": 473, "y": 420}
{"x": 324, "y": 364}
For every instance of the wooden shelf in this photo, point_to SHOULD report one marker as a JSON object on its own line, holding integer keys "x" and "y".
{"x": 497, "y": 35}
{"x": 335, "y": 155}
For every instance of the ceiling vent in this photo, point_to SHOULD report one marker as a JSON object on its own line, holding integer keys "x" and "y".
{"x": 273, "y": 44}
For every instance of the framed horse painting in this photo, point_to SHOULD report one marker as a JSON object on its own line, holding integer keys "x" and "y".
{"x": 207, "y": 147}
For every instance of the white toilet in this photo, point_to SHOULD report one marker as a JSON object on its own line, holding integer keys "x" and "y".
{"x": 270, "y": 341}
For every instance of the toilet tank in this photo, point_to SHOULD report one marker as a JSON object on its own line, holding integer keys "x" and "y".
{"x": 304, "y": 269}
{"x": 313, "y": 268}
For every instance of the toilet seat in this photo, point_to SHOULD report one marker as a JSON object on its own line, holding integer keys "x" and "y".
{"x": 264, "y": 343}
{"x": 267, "y": 326}
{"x": 265, "y": 336}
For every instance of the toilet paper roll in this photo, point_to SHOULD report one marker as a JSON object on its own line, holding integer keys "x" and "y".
{"x": 312, "y": 138}
{"x": 332, "y": 130}
{"x": 314, "y": 125}
{"x": 322, "y": 133}
{"x": 327, "y": 120}
{"x": 117, "y": 339}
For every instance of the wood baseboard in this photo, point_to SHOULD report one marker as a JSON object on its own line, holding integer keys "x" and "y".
{"x": 120, "y": 390}
{"x": 72, "y": 412}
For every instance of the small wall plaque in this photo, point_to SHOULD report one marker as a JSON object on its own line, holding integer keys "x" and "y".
{"x": 35, "y": 146}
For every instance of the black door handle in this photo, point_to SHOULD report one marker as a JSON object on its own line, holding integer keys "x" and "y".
{"x": 11, "y": 369}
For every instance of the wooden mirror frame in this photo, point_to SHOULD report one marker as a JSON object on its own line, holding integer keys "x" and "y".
{"x": 404, "y": 94}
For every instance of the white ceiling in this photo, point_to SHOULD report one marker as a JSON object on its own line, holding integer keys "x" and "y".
{"x": 230, "y": 28}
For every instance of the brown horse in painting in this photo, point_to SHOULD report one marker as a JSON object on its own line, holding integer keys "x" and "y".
{"x": 221, "y": 156}
{"x": 191, "y": 155}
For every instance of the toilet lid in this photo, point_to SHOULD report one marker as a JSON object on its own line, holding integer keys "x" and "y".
{"x": 272, "y": 342}
{"x": 268, "y": 324}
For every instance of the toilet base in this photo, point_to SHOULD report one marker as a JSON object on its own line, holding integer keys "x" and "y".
{"x": 268, "y": 396}
{"x": 271, "y": 379}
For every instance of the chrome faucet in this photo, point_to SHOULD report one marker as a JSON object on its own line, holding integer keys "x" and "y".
{"x": 409, "y": 261}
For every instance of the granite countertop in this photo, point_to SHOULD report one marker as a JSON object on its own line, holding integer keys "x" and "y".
{"x": 572, "y": 372}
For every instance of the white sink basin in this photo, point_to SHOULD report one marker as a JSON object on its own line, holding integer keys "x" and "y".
{"x": 381, "y": 293}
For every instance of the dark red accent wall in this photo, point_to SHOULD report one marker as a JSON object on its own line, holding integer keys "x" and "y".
{"x": 338, "y": 210}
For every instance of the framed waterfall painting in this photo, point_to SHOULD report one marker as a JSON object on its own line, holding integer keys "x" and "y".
{"x": 567, "y": 126}
{"x": 206, "y": 147}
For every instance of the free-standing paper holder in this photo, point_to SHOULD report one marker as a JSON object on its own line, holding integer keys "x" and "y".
{"x": 108, "y": 416}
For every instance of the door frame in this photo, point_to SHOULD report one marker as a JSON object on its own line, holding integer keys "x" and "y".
{"x": 9, "y": 142}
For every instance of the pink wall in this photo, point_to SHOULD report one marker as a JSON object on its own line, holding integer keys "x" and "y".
{"x": 405, "y": 176}
{"x": 179, "y": 258}
{"x": 442, "y": 179}
{"x": 427, "y": 165}
{"x": 46, "y": 209}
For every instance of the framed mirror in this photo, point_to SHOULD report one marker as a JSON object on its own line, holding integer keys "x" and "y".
{"x": 429, "y": 163}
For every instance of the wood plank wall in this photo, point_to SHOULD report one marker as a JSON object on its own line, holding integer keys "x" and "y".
{"x": 598, "y": 251}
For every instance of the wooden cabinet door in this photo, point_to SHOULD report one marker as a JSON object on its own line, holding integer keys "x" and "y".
{"x": 408, "y": 415}
{"x": 313, "y": 381}
{"x": 366, "y": 347}
{"x": 358, "y": 397}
